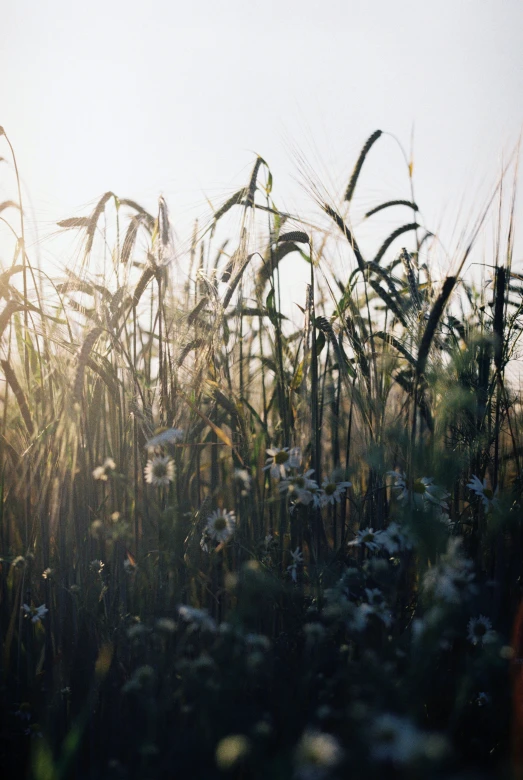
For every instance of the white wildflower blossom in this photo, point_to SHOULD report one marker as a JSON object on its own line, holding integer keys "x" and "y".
{"x": 35, "y": 613}
{"x": 257, "y": 642}
{"x": 103, "y": 472}
{"x": 221, "y": 525}
{"x": 301, "y": 487}
{"x": 375, "y": 605}
{"x": 332, "y": 490}
{"x": 97, "y": 566}
{"x": 482, "y": 699}
{"x": 394, "y": 540}
{"x": 164, "y": 437}
{"x": 480, "y": 631}
{"x": 316, "y": 755}
{"x": 396, "y": 739}
{"x": 243, "y": 480}
{"x": 488, "y": 497}
{"x": 423, "y": 493}
{"x": 281, "y": 461}
{"x": 18, "y": 562}
{"x": 369, "y": 538}
{"x": 197, "y": 618}
{"x": 452, "y": 579}
{"x": 297, "y": 560}
{"x": 159, "y": 471}
{"x": 47, "y": 573}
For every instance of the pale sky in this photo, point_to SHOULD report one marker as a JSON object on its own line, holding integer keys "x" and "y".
{"x": 177, "y": 98}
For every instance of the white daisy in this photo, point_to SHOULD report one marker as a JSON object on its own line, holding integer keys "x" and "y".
{"x": 163, "y": 437}
{"x": 394, "y": 540}
{"x": 221, "y": 525}
{"x": 197, "y": 618}
{"x": 368, "y": 538}
{"x": 480, "y": 631}
{"x": 333, "y": 490}
{"x": 316, "y": 755}
{"x": 243, "y": 480}
{"x": 424, "y": 492}
{"x": 480, "y": 488}
{"x": 301, "y": 486}
{"x": 103, "y": 473}
{"x": 297, "y": 560}
{"x": 35, "y": 613}
{"x": 281, "y": 461}
{"x": 396, "y": 739}
{"x": 452, "y": 579}
{"x": 159, "y": 471}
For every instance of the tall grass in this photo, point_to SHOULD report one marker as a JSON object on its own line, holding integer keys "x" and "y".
{"x": 329, "y": 625}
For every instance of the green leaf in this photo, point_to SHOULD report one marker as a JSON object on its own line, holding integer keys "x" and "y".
{"x": 320, "y": 342}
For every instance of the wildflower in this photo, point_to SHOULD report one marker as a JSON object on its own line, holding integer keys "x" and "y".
{"x": 333, "y": 491}
{"x": 257, "y": 642}
{"x": 281, "y": 461}
{"x": 47, "y": 573}
{"x": 394, "y": 540}
{"x": 396, "y": 739}
{"x": 18, "y": 562}
{"x": 244, "y": 481}
{"x": 141, "y": 680}
{"x": 369, "y": 538}
{"x": 35, "y": 613}
{"x": 166, "y": 625}
{"x": 297, "y": 560}
{"x": 482, "y": 699}
{"x": 103, "y": 473}
{"x": 159, "y": 471}
{"x": 34, "y": 731}
{"x": 452, "y": 579}
{"x": 424, "y": 492}
{"x": 301, "y": 487}
{"x": 137, "y": 631}
{"x": 480, "y": 631}
{"x": 232, "y": 751}
{"x": 220, "y": 525}
{"x": 316, "y": 754}
{"x": 197, "y": 618}
{"x": 480, "y": 488}
{"x": 164, "y": 437}
{"x": 97, "y": 566}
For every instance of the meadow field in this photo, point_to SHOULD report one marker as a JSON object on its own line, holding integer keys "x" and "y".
{"x": 243, "y": 542}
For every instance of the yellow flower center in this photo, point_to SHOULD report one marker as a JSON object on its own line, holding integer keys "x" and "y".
{"x": 281, "y": 457}
{"x": 220, "y": 524}
{"x": 419, "y": 487}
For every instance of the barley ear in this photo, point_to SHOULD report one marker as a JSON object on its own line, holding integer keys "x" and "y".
{"x": 19, "y": 395}
{"x": 83, "y": 356}
{"x": 357, "y": 168}
{"x": 432, "y": 324}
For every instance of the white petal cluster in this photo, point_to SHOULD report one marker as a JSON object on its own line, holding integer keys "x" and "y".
{"x": 35, "y": 613}
{"x": 487, "y": 496}
{"x": 452, "y": 579}
{"x": 159, "y": 471}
